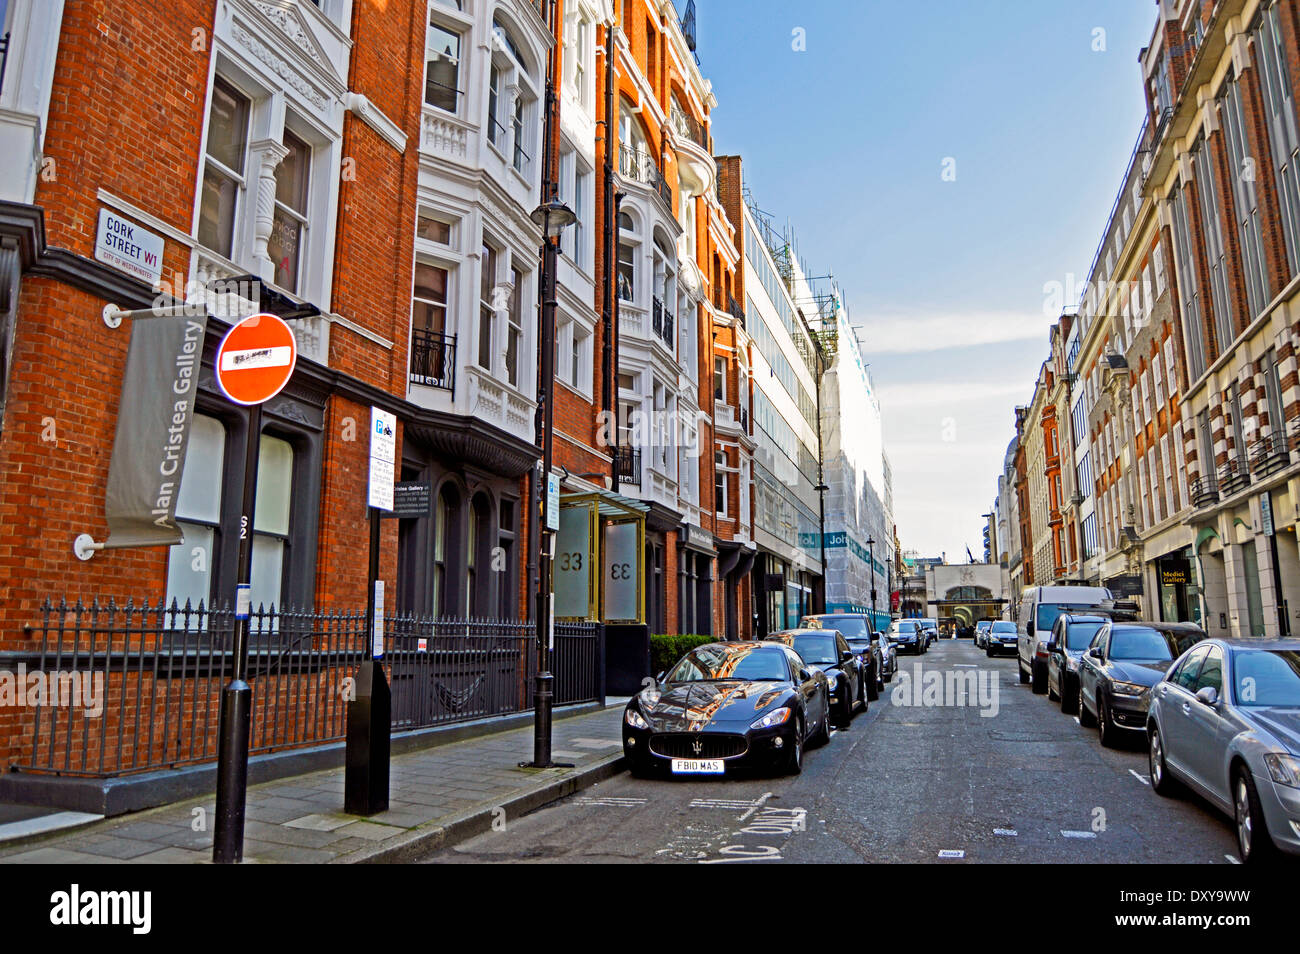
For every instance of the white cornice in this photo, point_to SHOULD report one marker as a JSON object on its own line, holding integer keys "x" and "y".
{"x": 374, "y": 117}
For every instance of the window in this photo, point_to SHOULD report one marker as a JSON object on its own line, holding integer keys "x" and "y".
{"x": 515, "y": 327}
{"x": 428, "y": 228}
{"x": 1193, "y": 329}
{"x": 271, "y": 520}
{"x": 223, "y": 167}
{"x": 626, "y": 271}
{"x": 1280, "y": 113}
{"x": 1213, "y": 238}
{"x": 289, "y": 221}
{"x": 719, "y": 379}
{"x": 1273, "y": 394}
{"x": 496, "y": 130}
{"x": 430, "y": 348}
{"x": 720, "y": 483}
{"x": 442, "y": 69}
{"x": 487, "y": 303}
{"x": 446, "y": 549}
{"x": 507, "y": 596}
{"x": 198, "y": 514}
{"x": 521, "y": 158}
{"x": 582, "y": 34}
{"x": 1241, "y": 173}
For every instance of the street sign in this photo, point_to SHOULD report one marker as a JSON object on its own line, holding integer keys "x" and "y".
{"x": 1266, "y": 513}
{"x": 256, "y": 359}
{"x": 412, "y": 498}
{"x": 383, "y": 457}
{"x": 128, "y": 247}
{"x": 552, "y": 501}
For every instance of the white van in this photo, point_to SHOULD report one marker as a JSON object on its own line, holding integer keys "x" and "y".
{"x": 1038, "y": 610}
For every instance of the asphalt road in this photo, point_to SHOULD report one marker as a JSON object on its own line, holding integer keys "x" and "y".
{"x": 906, "y": 783}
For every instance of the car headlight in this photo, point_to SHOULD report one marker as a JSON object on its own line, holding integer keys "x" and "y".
{"x": 635, "y": 720}
{"x": 1285, "y": 769}
{"x": 1071, "y": 664}
{"x": 775, "y": 717}
{"x": 1127, "y": 688}
{"x": 832, "y": 680}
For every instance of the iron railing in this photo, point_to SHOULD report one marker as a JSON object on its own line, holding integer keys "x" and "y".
{"x": 688, "y": 126}
{"x": 657, "y": 316}
{"x": 1268, "y": 454}
{"x": 629, "y": 465}
{"x": 641, "y": 166}
{"x": 433, "y": 359}
{"x": 145, "y": 680}
{"x": 1204, "y": 490}
{"x": 1233, "y": 475}
{"x": 735, "y": 310}
{"x": 4, "y": 58}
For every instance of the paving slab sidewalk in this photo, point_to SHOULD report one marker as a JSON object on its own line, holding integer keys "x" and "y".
{"x": 437, "y": 797}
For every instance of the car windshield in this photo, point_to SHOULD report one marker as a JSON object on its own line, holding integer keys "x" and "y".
{"x": 709, "y": 663}
{"x": 906, "y": 627}
{"x": 1003, "y": 628}
{"x": 1079, "y": 635}
{"x": 1047, "y": 613}
{"x": 816, "y": 649}
{"x": 1267, "y": 677}
{"x": 858, "y": 643}
{"x": 1139, "y": 644}
{"x": 848, "y": 625}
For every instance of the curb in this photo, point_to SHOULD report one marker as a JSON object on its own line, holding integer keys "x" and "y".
{"x": 420, "y": 842}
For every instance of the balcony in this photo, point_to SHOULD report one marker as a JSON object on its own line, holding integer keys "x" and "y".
{"x": 734, "y": 309}
{"x": 629, "y": 466}
{"x": 688, "y": 127}
{"x": 661, "y": 321}
{"x": 433, "y": 359}
{"x": 640, "y": 167}
{"x": 1268, "y": 454}
{"x": 694, "y": 160}
{"x": 1233, "y": 476}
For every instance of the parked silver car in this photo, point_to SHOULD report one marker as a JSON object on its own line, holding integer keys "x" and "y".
{"x": 1225, "y": 721}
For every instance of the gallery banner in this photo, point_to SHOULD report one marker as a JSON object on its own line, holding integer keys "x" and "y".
{"x": 159, "y": 388}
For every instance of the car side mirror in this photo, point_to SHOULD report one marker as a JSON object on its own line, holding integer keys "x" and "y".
{"x": 1051, "y": 645}
{"x": 1207, "y": 695}
{"x": 1095, "y": 652}
{"x": 660, "y": 677}
{"x": 1029, "y": 627}
{"x": 805, "y": 675}
{"x": 845, "y": 655}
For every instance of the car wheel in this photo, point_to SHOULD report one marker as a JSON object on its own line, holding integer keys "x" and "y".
{"x": 794, "y": 755}
{"x": 1085, "y": 717}
{"x": 1105, "y": 730}
{"x": 1020, "y": 671}
{"x": 1069, "y": 697}
{"x": 1162, "y": 783}
{"x": 988, "y": 651}
{"x": 1053, "y": 696}
{"x": 1253, "y": 839}
{"x": 823, "y": 734}
{"x": 874, "y": 685}
{"x": 1039, "y": 685}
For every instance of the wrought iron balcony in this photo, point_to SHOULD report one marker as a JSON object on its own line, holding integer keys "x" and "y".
{"x": 734, "y": 309}
{"x": 688, "y": 127}
{"x": 657, "y": 317}
{"x": 4, "y": 58}
{"x": 1233, "y": 475}
{"x": 433, "y": 359}
{"x": 641, "y": 166}
{"x": 1269, "y": 454}
{"x": 629, "y": 465}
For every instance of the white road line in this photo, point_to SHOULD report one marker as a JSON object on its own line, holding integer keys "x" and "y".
{"x": 1009, "y": 832}
{"x": 1140, "y": 778}
{"x": 755, "y": 807}
{"x": 952, "y": 853}
{"x": 731, "y": 803}
{"x": 1078, "y": 834}
{"x": 610, "y": 801}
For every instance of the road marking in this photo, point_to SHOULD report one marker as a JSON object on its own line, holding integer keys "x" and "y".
{"x": 734, "y": 804}
{"x": 610, "y": 801}
{"x": 952, "y": 853}
{"x": 1144, "y": 781}
{"x": 1078, "y": 834}
{"x": 1232, "y": 859}
{"x": 1009, "y": 832}
{"x": 755, "y": 807}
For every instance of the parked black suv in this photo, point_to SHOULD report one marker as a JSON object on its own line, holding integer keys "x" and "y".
{"x": 827, "y": 650}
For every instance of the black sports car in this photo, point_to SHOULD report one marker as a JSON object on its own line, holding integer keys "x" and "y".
{"x": 827, "y": 650}
{"x": 725, "y": 704}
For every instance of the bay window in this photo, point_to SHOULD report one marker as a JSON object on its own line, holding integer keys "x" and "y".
{"x": 223, "y": 167}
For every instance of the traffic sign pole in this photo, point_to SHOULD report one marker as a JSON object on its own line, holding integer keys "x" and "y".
{"x": 253, "y": 363}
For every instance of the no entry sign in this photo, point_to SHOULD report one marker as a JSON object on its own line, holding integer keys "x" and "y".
{"x": 256, "y": 359}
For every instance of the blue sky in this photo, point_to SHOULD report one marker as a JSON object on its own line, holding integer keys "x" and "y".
{"x": 848, "y": 139}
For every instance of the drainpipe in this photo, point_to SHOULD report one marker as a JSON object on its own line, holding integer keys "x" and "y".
{"x": 608, "y": 297}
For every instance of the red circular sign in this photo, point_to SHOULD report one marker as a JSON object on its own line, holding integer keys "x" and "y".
{"x": 256, "y": 359}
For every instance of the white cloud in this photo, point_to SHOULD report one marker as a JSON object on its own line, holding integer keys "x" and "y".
{"x": 923, "y": 332}
{"x": 961, "y": 394}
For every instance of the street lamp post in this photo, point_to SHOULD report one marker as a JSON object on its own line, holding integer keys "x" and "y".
{"x": 553, "y": 217}
{"x": 871, "y": 556}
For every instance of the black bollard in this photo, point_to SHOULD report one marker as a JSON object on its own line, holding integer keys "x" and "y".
{"x": 366, "y": 782}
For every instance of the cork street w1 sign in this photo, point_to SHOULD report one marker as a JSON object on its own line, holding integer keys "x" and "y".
{"x": 256, "y": 359}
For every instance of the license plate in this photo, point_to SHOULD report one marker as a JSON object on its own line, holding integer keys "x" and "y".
{"x": 697, "y": 766}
